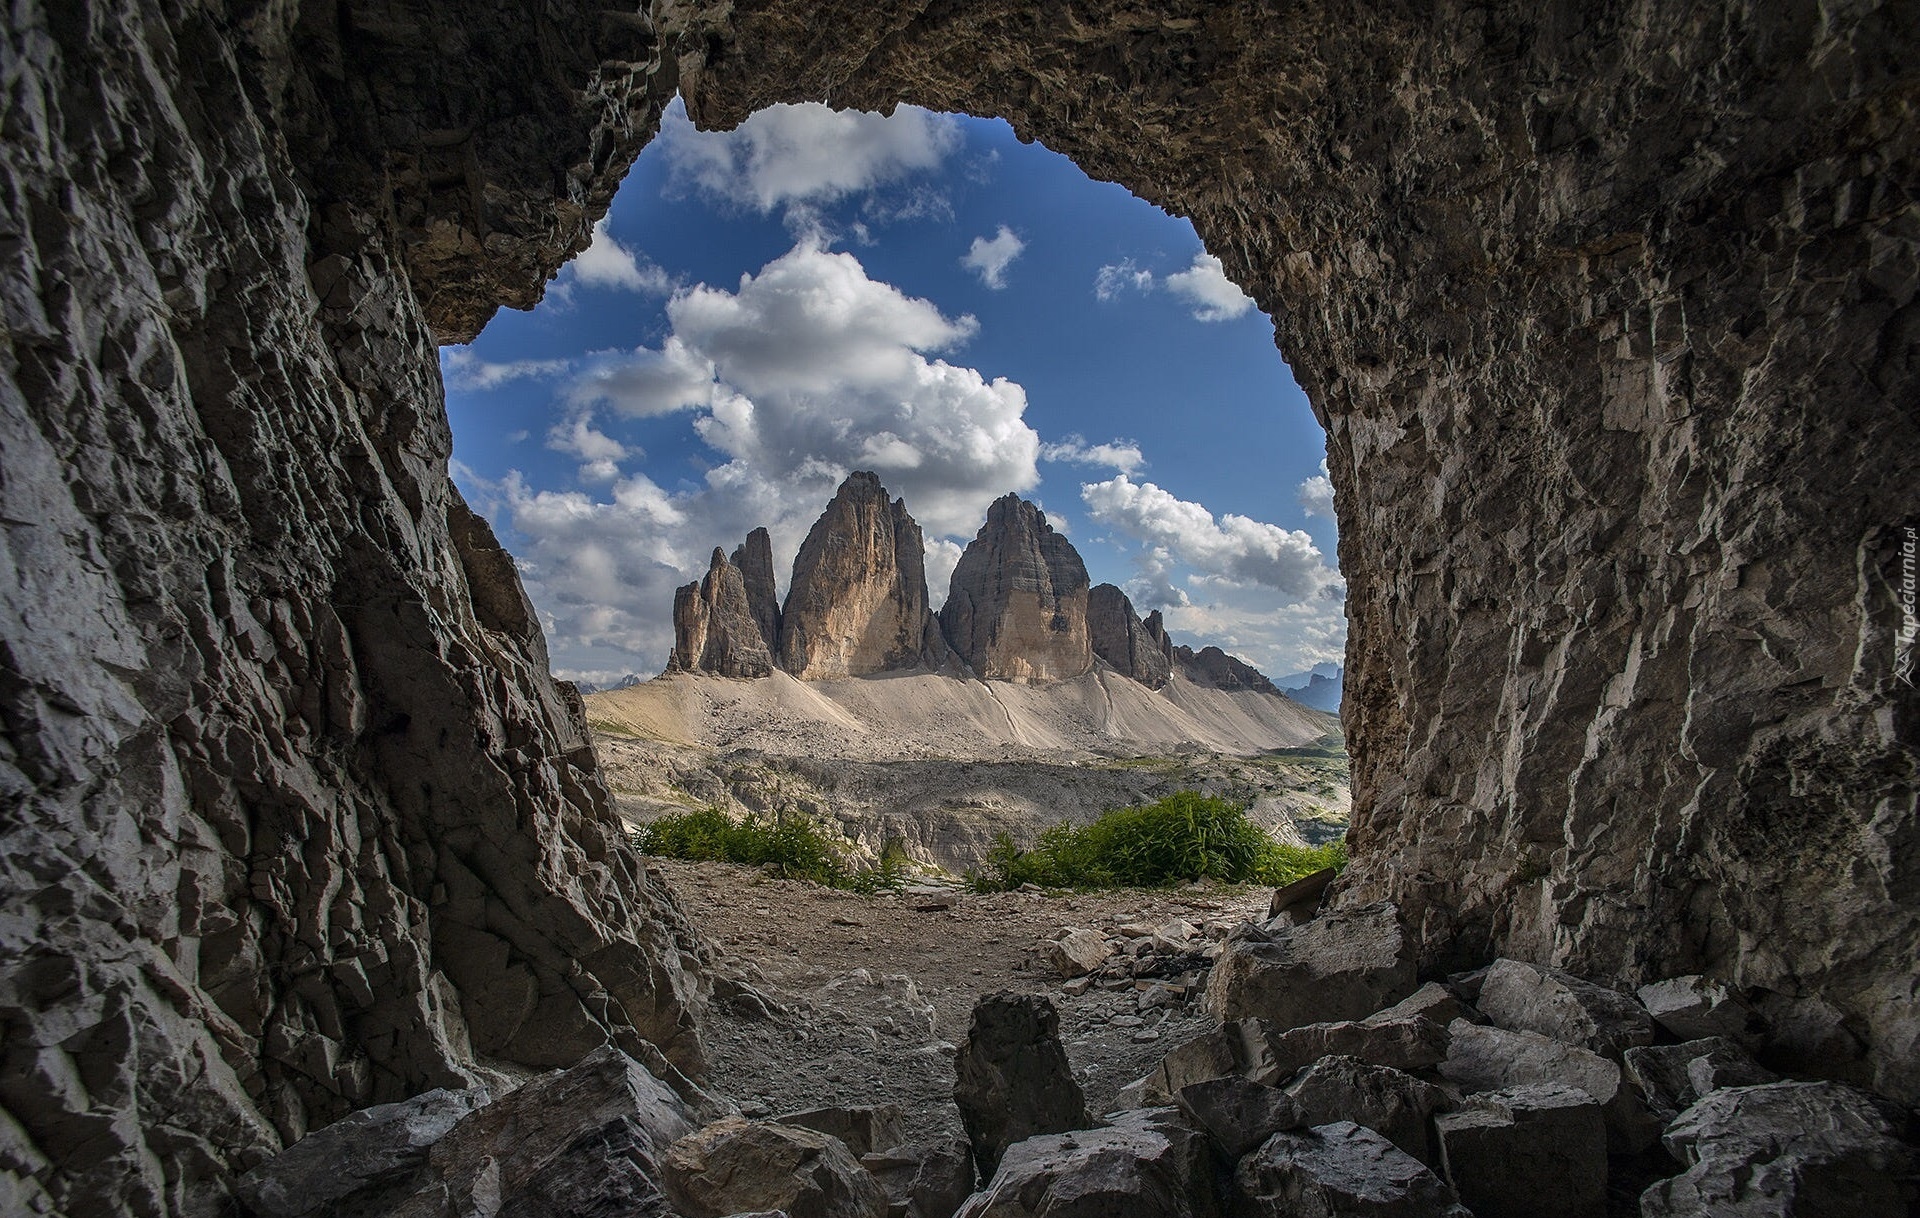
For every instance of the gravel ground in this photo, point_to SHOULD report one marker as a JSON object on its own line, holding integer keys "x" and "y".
{"x": 832, "y": 998}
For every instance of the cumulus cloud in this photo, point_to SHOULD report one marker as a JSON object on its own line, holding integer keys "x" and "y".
{"x": 462, "y": 369}
{"x": 1121, "y": 455}
{"x": 1205, "y": 286}
{"x": 1118, "y": 277}
{"x": 606, "y": 263}
{"x": 1316, "y": 494}
{"x": 943, "y": 555}
{"x": 1233, "y": 548}
{"x": 989, "y": 257}
{"x": 807, "y": 154}
{"x": 806, "y": 371}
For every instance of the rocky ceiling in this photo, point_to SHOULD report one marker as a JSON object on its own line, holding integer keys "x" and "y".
{"x": 1608, "y": 308}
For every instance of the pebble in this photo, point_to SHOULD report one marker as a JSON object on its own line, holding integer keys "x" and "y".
{"x": 1145, "y": 1036}
{"x": 1126, "y": 1021}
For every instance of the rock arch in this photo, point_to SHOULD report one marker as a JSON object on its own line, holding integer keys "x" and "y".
{"x": 1608, "y": 309}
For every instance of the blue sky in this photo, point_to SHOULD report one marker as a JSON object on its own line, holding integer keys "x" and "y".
{"x": 767, "y": 309}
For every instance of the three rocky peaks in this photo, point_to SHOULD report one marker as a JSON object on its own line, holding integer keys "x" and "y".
{"x": 1019, "y": 607}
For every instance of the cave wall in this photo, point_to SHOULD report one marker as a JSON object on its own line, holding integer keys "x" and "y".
{"x": 1608, "y": 308}
{"x": 295, "y": 819}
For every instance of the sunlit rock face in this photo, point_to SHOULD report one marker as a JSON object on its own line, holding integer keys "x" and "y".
{"x": 858, "y": 604}
{"x": 1017, "y": 607}
{"x": 1609, "y": 313}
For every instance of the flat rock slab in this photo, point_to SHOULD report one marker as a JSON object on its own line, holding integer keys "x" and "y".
{"x": 864, "y": 1129}
{"x": 1527, "y": 1152}
{"x": 1491, "y": 1059}
{"x": 1694, "y": 1007}
{"x": 1791, "y": 1150}
{"x": 1274, "y": 1056}
{"x": 1340, "y": 1170}
{"x": 1672, "y": 1077}
{"x": 734, "y": 1166}
{"x": 1529, "y": 998}
{"x": 1147, "y": 1163}
{"x": 1390, "y": 1102}
{"x": 370, "y": 1152}
{"x": 1342, "y": 965}
{"x": 925, "y": 1181}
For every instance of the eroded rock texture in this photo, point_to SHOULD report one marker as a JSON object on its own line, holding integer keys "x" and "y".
{"x": 1609, "y": 311}
{"x": 1121, "y": 639}
{"x": 1017, "y": 607}
{"x": 716, "y": 627}
{"x": 295, "y": 820}
{"x": 858, "y": 603}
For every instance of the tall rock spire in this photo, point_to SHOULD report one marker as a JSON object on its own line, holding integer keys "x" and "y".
{"x": 1017, "y": 607}
{"x": 1124, "y": 641}
{"x": 714, "y": 629}
{"x": 858, "y": 602}
{"x": 754, "y": 558}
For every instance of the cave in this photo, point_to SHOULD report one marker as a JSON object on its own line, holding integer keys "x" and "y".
{"x": 1608, "y": 311}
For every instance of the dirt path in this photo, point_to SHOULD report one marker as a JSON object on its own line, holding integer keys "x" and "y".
{"x": 831, "y": 998}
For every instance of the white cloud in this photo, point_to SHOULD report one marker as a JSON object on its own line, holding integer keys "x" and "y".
{"x": 989, "y": 257}
{"x": 1316, "y": 494}
{"x": 462, "y": 369}
{"x": 606, "y": 263}
{"x": 807, "y": 371}
{"x": 1235, "y": 548}
{"x": 1118, "y": 277}
{"x": 808, "y": 153}
{"x": 1123, "y": 456}
{"x": 943, "y": 555}
{"x": 1206, "y": 287}
{"x": 642, "y": 383}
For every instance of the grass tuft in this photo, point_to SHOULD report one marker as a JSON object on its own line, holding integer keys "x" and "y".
{"x": 1185, "y": 837}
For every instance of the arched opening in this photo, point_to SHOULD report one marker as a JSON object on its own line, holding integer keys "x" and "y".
{"x": 1608, "y": 315}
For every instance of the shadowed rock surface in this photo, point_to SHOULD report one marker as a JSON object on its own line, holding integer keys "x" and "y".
{"x": 1012, "y": 1078}
{"x": 1017, "y": 606}
{"x": 754, "y": 557}
{"x": 1122, "y": 640}
{"x": 715, "y": 628}
{"x": 1610, "y": 314}
{"x": 1213, "y": 667}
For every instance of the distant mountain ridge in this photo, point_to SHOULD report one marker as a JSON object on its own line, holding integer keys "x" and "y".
{"x": 1018, "y": 608}
{"x": 1320, "y": 687}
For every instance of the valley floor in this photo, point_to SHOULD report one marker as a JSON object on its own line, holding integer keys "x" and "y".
{"x": 831, "y": 998}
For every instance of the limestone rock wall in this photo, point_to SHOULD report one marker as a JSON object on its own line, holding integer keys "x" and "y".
{"x": 1016, "y": 609}
{"x": 858, "y": 601}
{"x": 715, "y": 628}
{"x": 1119, "y": 637}
{"x": 754, "y": 557}
{"x": 1610, "y": 312}
{"x": 294, "y": 819}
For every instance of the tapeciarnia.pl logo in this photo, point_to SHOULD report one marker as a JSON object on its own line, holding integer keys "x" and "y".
{"x": 1903, "y": 638}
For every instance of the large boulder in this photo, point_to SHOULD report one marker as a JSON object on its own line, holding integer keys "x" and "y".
{"x": 1786, "y": 1150}
{"x": 857, "y": 603}
{"x": 1694, "y": 1007}
{"x": 1012, "y": 1080}
{"x": 1340, "y": 1170}
{"x": 714, "y": 629}
{"x": 1121, "y": 639}
{"x": 1483, "y": 1058}
{"x": 1274, "y": 1056}
{"x": 1145, "y": 1164}
{"x": 1077, "y": 952}
{"x": 1528, "y": 998}
{"x": 1390, "y": 1102}
{"x": 735, "y": 1165}
{"x": 1537, "y": 1151}
{"x": 1346, "y": 964}
{"x": 374, "y": 1156}
{"x": 1431, "y": 1001}
{"x": 1238, "y": 1113}
{"x": 577, "y": 1143}
{"x": 1017, "y": 607}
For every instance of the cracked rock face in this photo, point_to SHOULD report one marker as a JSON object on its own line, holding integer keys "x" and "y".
{"x": 1017, "y": 607}
{"x": 1122, "y": 640}
{"x": 717, "y": 627}
{"x": 1611, "y": 320}
{"x": 858, "y": 604}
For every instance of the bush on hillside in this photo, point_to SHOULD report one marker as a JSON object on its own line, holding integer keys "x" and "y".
{"x": 1185, "y": 837}
{"x": 790, "y": 845}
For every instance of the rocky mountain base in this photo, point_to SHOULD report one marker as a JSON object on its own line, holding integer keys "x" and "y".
{"x": 1320, "y": 1075}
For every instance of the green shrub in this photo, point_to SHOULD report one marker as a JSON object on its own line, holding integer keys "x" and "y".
{"x": 1186, "y": 836}
{"x": 791, "y": 845}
